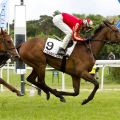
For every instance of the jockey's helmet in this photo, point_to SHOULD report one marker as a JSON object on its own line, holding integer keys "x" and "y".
{"x": 57, "y": 12}
{"x": 88, "y": 22}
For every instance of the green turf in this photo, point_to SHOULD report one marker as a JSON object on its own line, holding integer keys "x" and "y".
{"x": 105, "y": 106}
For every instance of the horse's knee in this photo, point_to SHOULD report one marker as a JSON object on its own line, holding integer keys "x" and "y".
{"x": 30, "y": 78}
{"x": 2, "y": 81}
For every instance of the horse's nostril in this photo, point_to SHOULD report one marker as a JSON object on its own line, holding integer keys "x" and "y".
{"x": 16, "y": 57}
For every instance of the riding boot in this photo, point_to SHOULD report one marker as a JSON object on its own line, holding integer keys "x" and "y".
{"x": 61, "y": 51}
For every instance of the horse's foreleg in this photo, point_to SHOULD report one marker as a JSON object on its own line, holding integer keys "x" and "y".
{"x": 32, "y": 79}
{"x": 76, "y": 87}
{"x": 89, "y": 78}
{"x": 11, "y": 88}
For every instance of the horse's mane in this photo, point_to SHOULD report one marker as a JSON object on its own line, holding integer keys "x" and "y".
{"x": 99, "y": 28}
{"x": 102, "y": 25}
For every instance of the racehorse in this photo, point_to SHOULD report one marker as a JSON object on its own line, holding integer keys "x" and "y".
{"x": 7, "y": 50}
{"x": 78, "y": 65}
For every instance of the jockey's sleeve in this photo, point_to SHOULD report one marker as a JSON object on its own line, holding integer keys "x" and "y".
{"x": 76, "y": 30}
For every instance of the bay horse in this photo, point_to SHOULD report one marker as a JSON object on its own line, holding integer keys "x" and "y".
{"x": 78, "y": 65}
{"x": 7, "y": 50}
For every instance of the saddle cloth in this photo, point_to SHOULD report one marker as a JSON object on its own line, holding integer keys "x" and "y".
{"x": 52, "y": 47}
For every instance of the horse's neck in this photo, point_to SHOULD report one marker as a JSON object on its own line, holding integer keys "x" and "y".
{"x": 98, "y": 43}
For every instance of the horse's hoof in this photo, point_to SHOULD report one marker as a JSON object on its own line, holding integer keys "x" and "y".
{"x": 62, "y": 100}
{"x": 48, "y": 96}
{"x": 19, "y": 94}
{"x": 84, "y": 102}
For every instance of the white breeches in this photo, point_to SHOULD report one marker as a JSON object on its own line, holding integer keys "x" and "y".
{"x": 58, "y": 21}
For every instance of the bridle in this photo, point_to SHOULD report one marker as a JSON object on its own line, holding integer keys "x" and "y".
{"x": 106, "y": 41}
{"x": 88, "y": 44}
{"x": 111, "y": 31}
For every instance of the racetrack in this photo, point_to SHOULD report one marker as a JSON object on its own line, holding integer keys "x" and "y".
{"x": 105, "y": 106}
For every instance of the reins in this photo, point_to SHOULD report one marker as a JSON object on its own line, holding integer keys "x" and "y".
{"x": 105, "y": 41}
{"x": 89, "y": 47}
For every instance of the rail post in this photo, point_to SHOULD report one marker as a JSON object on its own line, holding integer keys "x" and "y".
{"x": 20, "y": 37}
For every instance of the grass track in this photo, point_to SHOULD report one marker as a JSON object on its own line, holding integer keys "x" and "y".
{"x": 105, "y": 106}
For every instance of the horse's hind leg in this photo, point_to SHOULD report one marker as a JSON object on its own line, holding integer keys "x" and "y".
{"x": 89, "y": 78}
{"x": 53, "y": 91}
{"x": 40, "y": 73}
{"x": 41, "y": 83}
{"x": 11, "y": 88}
{"x": 32, "y": 79}
{"x": 76, "y": 87}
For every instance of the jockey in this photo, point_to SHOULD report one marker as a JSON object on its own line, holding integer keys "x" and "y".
{"x": 71, "y": 26}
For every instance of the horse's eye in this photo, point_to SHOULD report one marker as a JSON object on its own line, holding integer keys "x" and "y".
{"x": 9, "y": 42}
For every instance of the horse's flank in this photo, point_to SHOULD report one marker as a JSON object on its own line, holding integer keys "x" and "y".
{"x": 36, "y": 46}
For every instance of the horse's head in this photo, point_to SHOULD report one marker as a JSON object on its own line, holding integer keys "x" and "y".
{"x": 6, "y": 45}
{"x": 111, "y": 32}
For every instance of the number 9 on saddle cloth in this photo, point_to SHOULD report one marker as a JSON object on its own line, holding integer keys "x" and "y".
{"x": 52, "y": 47}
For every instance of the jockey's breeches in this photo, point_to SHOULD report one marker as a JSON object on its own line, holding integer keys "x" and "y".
{"x": 58, "y": 22}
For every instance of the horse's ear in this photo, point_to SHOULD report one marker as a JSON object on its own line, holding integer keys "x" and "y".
{"x": 108, "y": 24}
{"x": 2, "y": 32}
{"x": 5, "y": 31}
{"x": 113, "y": 22}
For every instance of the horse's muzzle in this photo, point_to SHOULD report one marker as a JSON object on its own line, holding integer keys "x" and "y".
{"x": 15, "y": 58}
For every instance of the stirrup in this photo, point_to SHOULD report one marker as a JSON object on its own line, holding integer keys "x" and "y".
{"x": 61, "y": 52}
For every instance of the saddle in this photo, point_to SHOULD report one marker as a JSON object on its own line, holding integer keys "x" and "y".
{"x": 52, "y": 46}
